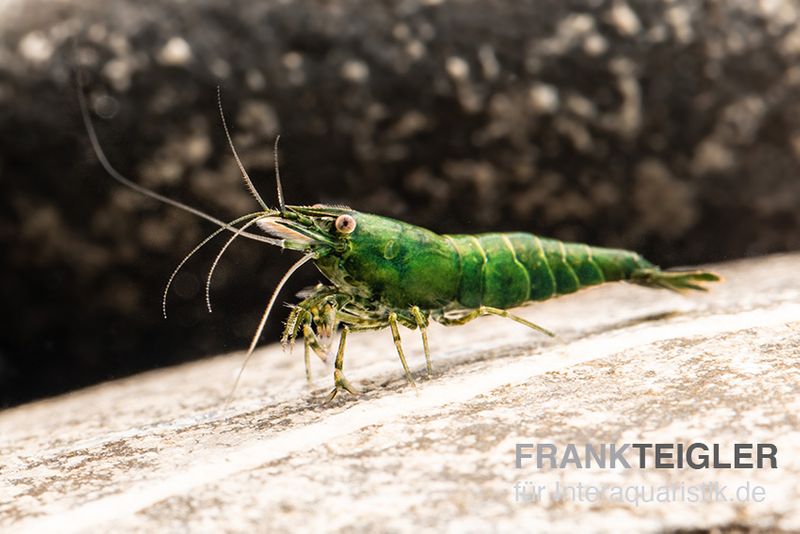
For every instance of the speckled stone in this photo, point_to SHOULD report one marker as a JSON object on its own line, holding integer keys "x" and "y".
{"x": 163, "y": 451}
{"x": 670, "y": 127}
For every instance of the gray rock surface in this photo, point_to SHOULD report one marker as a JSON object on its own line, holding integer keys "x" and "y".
{"x": 163, "y": 452}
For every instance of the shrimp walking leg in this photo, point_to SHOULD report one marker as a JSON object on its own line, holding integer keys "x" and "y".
{"x": 340, "y": 381}
{"x": 422, "y": 325}
{"x": 396, "y": 337}
{"x": 307, "y": 359}
{"x": 487, "y": 310}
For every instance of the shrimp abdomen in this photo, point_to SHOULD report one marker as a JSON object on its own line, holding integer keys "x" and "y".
{"x": 504, "y": 270}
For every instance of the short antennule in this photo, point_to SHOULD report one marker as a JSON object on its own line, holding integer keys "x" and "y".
{"x": 281, "y": 203}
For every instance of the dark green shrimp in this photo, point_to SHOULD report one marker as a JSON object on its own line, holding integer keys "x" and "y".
{"x": 384, "y": 273}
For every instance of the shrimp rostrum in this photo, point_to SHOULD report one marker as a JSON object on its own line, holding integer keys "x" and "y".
{"x": 383, "y": 272}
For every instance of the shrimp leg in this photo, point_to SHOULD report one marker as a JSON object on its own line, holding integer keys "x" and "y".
{"x": 487, "y": 310}
{"x": 339, "y": 380}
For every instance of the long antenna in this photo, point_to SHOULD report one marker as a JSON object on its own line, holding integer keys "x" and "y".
{"x": 245, "y": 176}
{"x": 116, "y": 175}
{"x": 260, "y": 329}
{"x": 219, "y": 256}
{"x": 192, "y": 253}
{"x": 281, "y": 203}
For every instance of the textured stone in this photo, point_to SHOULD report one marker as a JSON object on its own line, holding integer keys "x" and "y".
{"x": 163, "y": 451}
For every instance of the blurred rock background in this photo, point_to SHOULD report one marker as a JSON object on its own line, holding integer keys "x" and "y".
{"x": 667, "y": 126}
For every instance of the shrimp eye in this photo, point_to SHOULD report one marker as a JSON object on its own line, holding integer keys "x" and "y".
{"x": 345, "y": 224}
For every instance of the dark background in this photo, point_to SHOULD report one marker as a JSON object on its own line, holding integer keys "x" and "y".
{"x": 672, "y": 128}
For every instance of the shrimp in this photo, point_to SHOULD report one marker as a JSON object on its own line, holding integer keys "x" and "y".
{"x": 383, "y": 273}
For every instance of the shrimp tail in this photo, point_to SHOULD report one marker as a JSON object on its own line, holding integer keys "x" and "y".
{"x": 674, "y": 280}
